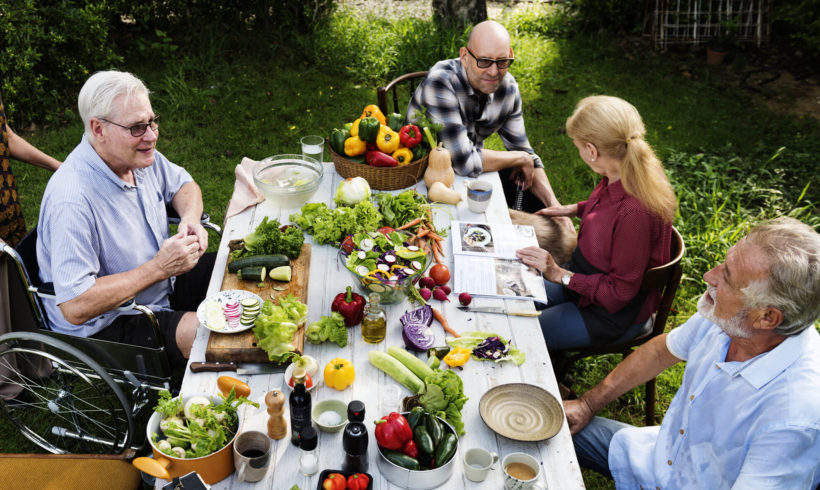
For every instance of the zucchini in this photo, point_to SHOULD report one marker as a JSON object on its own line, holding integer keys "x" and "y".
{"x": 252, "y": 274}
{"x": 268, "y": 261}
{"x": 413, "y": 363}
{"x": 395, "y": 370}
{"x": 446, "y": 449}
{"x": 415, "y": 416}
{"x": 423, "y": 440}
{"x": 434, "y": 428}
{"x": 438, "y": 352}
{"x": 401, "y": 459}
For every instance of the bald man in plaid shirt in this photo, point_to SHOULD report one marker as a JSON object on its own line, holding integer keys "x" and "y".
{"x": 473, "y": 97}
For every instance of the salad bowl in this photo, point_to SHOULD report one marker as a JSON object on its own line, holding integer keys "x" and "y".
{"x": 384, "y": 263}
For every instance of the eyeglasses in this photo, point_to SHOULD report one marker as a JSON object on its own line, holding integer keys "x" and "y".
{"x": 501, "y": 63}
{"x": 138, "y": 130}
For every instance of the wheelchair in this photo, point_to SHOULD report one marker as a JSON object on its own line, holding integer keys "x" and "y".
{"x": 70, "y": 394}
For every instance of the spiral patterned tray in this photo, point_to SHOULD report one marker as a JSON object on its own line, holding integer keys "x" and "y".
{"x": 522, "y": 412}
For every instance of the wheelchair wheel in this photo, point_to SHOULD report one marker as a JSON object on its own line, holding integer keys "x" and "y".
{"x": 65, "y": 401}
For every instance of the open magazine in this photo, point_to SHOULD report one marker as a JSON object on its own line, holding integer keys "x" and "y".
{"x": 485, "y": 263}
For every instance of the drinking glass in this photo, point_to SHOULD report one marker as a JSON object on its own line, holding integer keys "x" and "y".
{"x": 313, "y": 146}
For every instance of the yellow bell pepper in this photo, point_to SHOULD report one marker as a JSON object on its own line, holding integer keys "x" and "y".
{"x": 354, "y": 130}
{"x": 373, "y": 111}
{"x": 457, "y": 357}
{"x": 387, "y": 140}
{"x": 354, "y": 146}
{"x": 339, "y": 373}
{"x": 403, "y": 155}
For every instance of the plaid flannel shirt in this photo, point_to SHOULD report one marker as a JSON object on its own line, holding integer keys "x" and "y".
{"x": 469, "y": 117}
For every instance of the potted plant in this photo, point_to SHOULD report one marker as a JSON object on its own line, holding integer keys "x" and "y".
{"x": 718, "y": 47}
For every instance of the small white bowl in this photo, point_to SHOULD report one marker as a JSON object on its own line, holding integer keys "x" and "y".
{"x": 330, "y": 405}
{"x": 316, "y": 378}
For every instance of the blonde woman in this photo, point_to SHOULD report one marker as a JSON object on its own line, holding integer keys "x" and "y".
{"x": 626, "y": 228}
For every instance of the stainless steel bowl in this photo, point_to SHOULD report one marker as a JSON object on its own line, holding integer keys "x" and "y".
{"x": 412, "y": 479}
{"x": 288, "y": 180}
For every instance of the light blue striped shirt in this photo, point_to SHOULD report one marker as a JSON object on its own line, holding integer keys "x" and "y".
{"x": 752, "y": 424}
{"x": 93, "y": 224}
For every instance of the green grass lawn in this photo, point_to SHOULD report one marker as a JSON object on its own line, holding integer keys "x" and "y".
{"x": 731, "y": 160}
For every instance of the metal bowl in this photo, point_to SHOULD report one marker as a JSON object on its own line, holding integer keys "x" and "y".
{"x": 288, "y": 180}
{"x": 413, "y": 479}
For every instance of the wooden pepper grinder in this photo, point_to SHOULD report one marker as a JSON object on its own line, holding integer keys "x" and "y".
{"x": 277, "y": 426}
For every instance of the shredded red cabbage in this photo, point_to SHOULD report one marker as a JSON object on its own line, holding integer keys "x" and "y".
{"x": 491, "y": 348}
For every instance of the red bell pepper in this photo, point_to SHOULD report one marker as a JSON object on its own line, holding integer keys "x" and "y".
{"x": 410, "y": 135}
{"x": 410, "y": 449}
{"x": 334, "y": 481}
{"x": 393, "y": 431}
{"x": 350, "y": 305}
{"x": 380, "y": 159}
{"x": 358, "y": 481}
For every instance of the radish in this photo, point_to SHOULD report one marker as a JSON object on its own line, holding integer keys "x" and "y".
{"x": 465, "y": 298}
{"x": 425, "y": 293}
{"x": 427, "y": 282}
{"x": 440, "y": 295}
{"x": 446, "y": 289}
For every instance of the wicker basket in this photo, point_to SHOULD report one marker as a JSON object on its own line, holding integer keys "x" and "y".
{"x": 381, "y": 178}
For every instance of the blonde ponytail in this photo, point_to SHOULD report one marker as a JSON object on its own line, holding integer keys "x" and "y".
{"x": 614, "y": 126}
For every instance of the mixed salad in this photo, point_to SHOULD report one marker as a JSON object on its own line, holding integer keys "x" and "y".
{"x": 384, "y": 261}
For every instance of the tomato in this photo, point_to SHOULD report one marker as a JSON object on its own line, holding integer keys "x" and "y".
{"x": 308, "y": 381}
{"x": 440, "y": 273}
{"x": 347, "y": 244}
{"x": 385, "y": 230}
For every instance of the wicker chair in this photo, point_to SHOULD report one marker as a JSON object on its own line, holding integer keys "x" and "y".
{"x": 393, "y": 87}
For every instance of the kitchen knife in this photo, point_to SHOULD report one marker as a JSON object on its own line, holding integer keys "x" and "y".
{"x": 215, "y": 367}
{"x": 498, "y": 309}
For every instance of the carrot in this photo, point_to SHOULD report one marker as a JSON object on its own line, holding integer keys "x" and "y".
{"x": 435, "y": 252}
{"x": 435, "y": 236}
{"x": 443, "y": 321}
{"x": 409, "y": 224}
{"x": 423, "y": 232}
{"x": 440, "y": 249}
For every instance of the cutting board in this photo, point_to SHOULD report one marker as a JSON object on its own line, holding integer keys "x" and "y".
{"x": 241, "y": 347}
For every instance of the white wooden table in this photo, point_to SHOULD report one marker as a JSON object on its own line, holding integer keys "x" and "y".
{"x": 560, "y": 467}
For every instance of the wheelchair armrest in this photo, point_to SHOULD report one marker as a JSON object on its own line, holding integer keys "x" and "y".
{"x": 205, "y": 219}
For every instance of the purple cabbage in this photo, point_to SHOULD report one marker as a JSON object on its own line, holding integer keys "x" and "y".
{"x": 492, "y": 348}
{"x": 416, "y": 331}
{"x": 423, "y": 315}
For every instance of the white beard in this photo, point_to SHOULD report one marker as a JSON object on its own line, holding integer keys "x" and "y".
{"x": 733, "y": 327}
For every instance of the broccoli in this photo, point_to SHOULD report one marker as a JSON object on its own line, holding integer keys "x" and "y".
{"x": 330, "y": 328}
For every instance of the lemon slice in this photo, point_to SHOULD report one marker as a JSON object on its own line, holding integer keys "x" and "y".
{"x": 282, "y": 273}
{"x": 214, "y": 315}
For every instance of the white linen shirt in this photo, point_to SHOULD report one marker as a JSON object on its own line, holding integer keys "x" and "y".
{"x": 752, "y": 424}
{"x": 93, "y": 224}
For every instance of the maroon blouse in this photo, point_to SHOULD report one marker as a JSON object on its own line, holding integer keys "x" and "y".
{"x": 622, "y": 239}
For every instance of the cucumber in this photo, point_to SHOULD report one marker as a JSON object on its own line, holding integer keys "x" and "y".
{"x": 401, "y": 459}
{"x": 413, "y": 363}
{"x": 395, "y": 370}
{"x": 423, "y": 440}
{"x": 434, "y": 428}
{"x": 281, "y": 273}
{"x": 446, "y": 449}
{"x": 252, "y": 273}
{"x": 268, "y": 261}
{"x": 415, "y": 416}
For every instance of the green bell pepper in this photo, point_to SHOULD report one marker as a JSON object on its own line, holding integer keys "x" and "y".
{"x": 369, "y": 129}
{"x": 418, "y": 152}
{"x": 395, "y": 121}
{"x": 337, "y": 141}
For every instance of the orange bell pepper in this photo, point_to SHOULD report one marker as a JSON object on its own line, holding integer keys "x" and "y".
{"x": 373, "y": 111}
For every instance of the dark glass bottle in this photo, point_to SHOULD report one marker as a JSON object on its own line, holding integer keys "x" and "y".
{"x": 354, "y": 440}
{"x": 300, "y": 406}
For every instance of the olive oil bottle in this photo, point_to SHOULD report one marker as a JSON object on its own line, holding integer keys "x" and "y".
{"x": 374, "y": 323}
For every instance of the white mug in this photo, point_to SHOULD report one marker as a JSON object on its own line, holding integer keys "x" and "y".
{"x": 251, "y": 455}
{"x": 479, "y": 193}
{"x": 477, "y": 463}
{"x": 521, "y": 472}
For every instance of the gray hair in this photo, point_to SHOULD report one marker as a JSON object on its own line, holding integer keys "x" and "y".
{"x": 96, "y": 99}
{"x": 793, "y": 283}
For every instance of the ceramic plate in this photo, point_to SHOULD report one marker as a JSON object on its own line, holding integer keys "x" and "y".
{"x": 476, "y": 237}
{"x": 222, "y": 298}
{"x": 522, "y": 412}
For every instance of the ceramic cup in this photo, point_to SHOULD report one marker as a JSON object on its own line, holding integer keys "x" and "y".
{"x": 313, "y": 146}
{"x": 477, "y": 463}
{"x": 478, "y": 195}
{"x": 251, "y": 455}
{"x": 521, "y": 472}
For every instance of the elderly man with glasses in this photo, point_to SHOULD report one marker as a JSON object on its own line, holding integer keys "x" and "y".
{"x": 746, "y": 414}
{"x": 473, "y": 97}
{"x": 103, "y": 234}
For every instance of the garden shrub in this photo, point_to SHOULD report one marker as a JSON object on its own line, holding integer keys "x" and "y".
{"x": 607, "y": 15}
{"x": 48, "y": 49}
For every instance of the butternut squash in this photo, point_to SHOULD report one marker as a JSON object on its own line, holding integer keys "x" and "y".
{"x": 439, "y": 167}
{"x": 438, "y": 192}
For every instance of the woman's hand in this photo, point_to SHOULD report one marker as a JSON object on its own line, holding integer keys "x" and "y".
{"x": 543, "y": 261}
{"x": 559, "y": 210}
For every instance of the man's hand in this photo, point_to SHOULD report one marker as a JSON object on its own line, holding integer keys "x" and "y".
{"x": 188, "y": 228}
{"x": 578, "y": 414}
{"x": 523, "y": 171}
{"x": 178, "y": 254}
